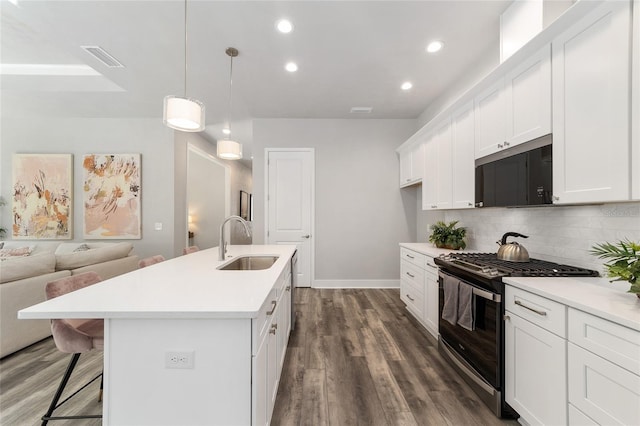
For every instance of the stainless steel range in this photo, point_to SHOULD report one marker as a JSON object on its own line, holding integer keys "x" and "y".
{"x": 477, "y": 351}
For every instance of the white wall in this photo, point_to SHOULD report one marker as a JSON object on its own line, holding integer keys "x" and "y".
{"x": 558, "y": 234}
{"x": 240, "y": 180}
{"x": 79, "y": 136}
{"x": 361, "y": 216}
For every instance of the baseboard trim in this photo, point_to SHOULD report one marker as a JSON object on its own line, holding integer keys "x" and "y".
{"x": 356, "y": 284}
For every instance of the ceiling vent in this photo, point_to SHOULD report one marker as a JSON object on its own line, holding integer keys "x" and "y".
{"x": 361, "y": 110}
{"x": 100, "y": 54}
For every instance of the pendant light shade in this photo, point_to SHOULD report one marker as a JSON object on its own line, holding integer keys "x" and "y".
{"x": 183, "y": 114}
{"x": 180, "y": 112}
{"x": 229, "y": 150}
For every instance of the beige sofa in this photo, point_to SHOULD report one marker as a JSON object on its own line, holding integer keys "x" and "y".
{"x": 22, "y": 281}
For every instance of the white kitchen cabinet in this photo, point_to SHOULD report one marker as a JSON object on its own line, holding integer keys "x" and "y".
{"x": 463, "y": 158}
{"x": 591, "y": 107}
{"x": 411, "y": 165}
{"x": 272, "y": 334}
{"x": 635, "y": 104}
{"x": 431, "y": 297}
{"x": 419, "y": 288}
{"x": 535, "y": 361}
{"x": 528, "y": 99}
{"x": 489, "y": 120}
{"x": 437, "y": 182}
{"x": 604, "y": 369}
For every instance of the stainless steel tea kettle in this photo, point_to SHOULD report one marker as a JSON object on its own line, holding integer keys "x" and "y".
{"x": 512, "y": 252}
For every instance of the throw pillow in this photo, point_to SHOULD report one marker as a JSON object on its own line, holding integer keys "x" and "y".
{"x": 6, "y": 253}
{"x": 19, "y": 267}
{"x": 93, "y": 256}
{"x": 82, "y": 247}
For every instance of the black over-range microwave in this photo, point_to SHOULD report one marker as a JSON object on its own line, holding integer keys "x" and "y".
{"x": 518, "y": 176}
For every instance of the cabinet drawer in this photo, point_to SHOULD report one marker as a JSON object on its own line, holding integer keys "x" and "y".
{"x": 412, "y": 257}
{"x": 578, "y": 418}
{"x": 430, "y": 266}
{"x": 603, "y": 391}
{"x": 413, "y": 297}
{"x": 261, "y": 322}
{"x": 412, "y": 274}
{"x": 542, "y": 312}
{"x": 614, "y": 342}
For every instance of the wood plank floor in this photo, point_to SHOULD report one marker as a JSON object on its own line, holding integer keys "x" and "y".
{"x": 355, "y": 358}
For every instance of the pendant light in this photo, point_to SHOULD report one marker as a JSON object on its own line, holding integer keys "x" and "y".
{"x": 226, "y": 148}
{"x": 180, "y": 112}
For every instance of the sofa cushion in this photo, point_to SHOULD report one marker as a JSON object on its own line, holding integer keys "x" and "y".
{"x": 17, "y": 268}
{"x": 102, "y": 253}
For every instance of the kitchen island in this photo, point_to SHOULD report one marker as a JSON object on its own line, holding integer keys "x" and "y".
{"x": 187, "y": 343}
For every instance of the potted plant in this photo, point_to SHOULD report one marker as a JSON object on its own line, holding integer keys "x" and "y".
{"x": 445, "y": 235}
{"x": 624, "y": 264}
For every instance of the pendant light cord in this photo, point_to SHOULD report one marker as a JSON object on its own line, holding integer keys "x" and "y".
{"x": 230, "y": 91}
{"x": 185, "y": 48}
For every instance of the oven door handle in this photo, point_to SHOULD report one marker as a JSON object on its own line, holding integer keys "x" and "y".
{"x": 494, "y": 297}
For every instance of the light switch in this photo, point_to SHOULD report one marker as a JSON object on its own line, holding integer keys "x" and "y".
{"x": 158, "y": 226}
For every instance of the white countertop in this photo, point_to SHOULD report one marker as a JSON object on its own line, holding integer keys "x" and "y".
{"x": 596, "y": 296}
{"x": 426, "y": 249}
{"x": 184, "y": 287}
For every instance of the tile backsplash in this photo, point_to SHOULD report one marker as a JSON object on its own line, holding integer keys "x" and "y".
{"x": 558, "y": 234}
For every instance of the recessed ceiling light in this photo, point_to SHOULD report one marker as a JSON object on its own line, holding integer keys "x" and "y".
{"x": 284, "y": 26}
{"x": 226, "y": 131}
{"x": 406, "y": 85}
{"x": 291, "y": 67}
{"x": 435, "y": 46}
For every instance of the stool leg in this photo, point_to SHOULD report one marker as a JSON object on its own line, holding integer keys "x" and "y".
{"x": 63, "y": 384}
{"x": 101, "y": 387}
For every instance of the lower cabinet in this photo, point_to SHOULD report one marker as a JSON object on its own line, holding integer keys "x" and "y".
{"x": 566, "y": 366}
{"x": 271, "y": 331}
{"x": 419, "y": 288}
{"x": 535, "y": 372}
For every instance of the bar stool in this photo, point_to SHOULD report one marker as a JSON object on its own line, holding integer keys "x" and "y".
{"x": 148, "y": 261}
{"x": 74, "y": 336}
{"x": 190, "y": 249}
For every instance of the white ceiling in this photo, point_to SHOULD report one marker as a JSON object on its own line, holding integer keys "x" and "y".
{"x": 350, "y": 54}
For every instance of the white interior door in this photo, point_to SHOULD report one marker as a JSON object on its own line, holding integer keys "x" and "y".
{"x": 290, "y": 195}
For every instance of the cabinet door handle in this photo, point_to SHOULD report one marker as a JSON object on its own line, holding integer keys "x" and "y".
{"x": 411, "y": 298}
{"x": 306, "y": 236}
{"x": 273, "y": 307}
{"x": 411, "y": 275}
{"x": 407, "y": 180}
{"x": 555, "y": 198}
{"x": 434, "y": 207}
{"x": 273, "y": 329}
{"x": 537, "y": 311}
{"x": 288, "y": 288}
{"x": 500, "y": 146}
{"x": 432, "y": 266}
{"x": 409, "y": 256}
{"x": 506, "y": 144}
{"x": 506, "y": 318}
{"x": 470, "y": 204}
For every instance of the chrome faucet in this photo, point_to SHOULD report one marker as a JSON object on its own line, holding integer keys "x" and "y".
{"x": 222, "y": 245}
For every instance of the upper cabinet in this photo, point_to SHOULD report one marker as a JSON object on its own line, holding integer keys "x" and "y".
{"x": 489, "y": 120}
{"x": 411, "y": 165}
{"x": 528, "y": 99}
{"x": 591, "y": 107}
{"x": 463, "y": 161}
{"x": 436, "y": 186}
{"x": 635, "y": 104}
{"x": 517, "y": 108}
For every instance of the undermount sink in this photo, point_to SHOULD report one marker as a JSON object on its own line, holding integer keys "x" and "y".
{"x": 249, "y": 263}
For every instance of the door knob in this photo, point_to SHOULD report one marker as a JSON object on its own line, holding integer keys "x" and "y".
{"x": 306, "y": 236}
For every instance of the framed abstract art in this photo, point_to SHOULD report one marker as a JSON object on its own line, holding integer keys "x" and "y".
{"x": 111, "y": 196}
{"x": 42, "y": 196}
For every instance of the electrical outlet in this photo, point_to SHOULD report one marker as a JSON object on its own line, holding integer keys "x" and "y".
{"x": 174, "y": 359}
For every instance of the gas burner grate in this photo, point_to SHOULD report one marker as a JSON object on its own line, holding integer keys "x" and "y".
{"x": 533, "y": 268}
